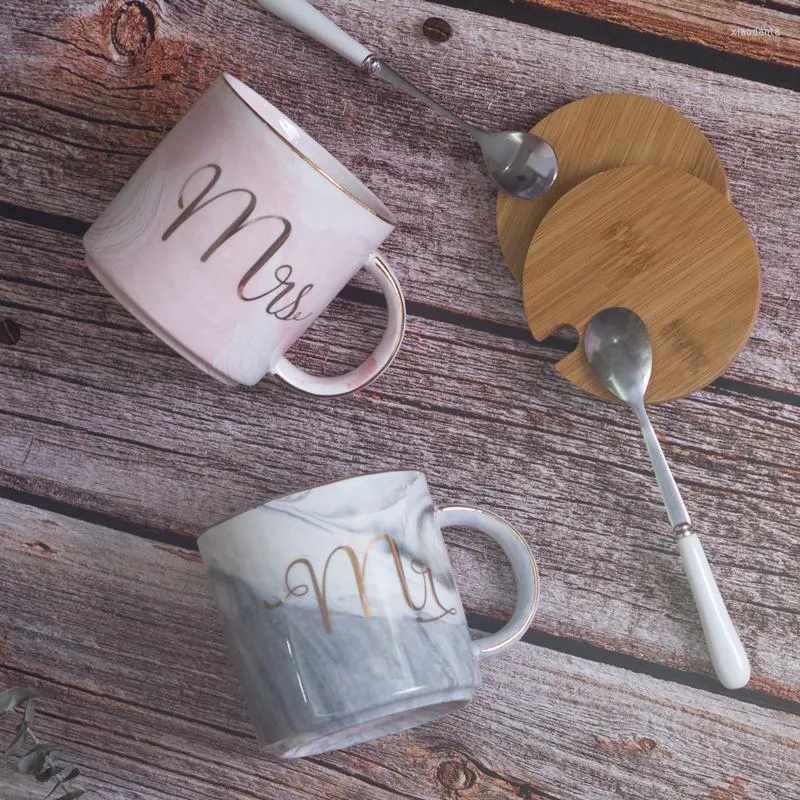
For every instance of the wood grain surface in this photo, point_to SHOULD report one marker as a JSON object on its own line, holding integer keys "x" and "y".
{"x": 136, "y": 686}
{"x": 767, "y": 31}
{"x": 73, "y": 131}
{"x": 604, "y": 132}
{"x": 122, "y": 426}
{"x": 103, "y": 605}
{"x": 663, "y": 243}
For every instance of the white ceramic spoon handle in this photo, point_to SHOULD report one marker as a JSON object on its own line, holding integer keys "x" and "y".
{"x": 724, "y": 646}
{"x": 303, "y": 16}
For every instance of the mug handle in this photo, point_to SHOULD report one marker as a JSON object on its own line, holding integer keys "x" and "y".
{"x": 526, "y": 572}
{"x": 377, "y": 362}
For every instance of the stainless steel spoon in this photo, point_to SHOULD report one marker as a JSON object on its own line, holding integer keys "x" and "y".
{"x": 523, "y": 165}
{"x": 618, "y": 347}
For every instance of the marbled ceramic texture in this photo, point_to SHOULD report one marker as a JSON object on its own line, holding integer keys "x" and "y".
{"x": 376, "y": 643}
{"x": 234, "y": 179}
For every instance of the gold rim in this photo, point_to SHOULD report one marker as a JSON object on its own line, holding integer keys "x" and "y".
{"x": 297, "y": 151}
{"x": 305, "y": 489}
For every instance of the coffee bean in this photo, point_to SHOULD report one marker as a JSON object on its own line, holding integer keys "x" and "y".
{"x": 9, "y": 331}
{"x": 436, "y": 29}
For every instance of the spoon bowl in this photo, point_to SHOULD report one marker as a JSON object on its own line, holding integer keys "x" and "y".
{"x": 618, "y": 347}
{"x": 521, "y": 164}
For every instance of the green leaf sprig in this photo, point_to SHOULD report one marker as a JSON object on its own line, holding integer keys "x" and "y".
{"x": 41, "y": 761}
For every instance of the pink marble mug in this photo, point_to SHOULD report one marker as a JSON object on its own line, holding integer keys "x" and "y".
{"x": 235, "y": 234}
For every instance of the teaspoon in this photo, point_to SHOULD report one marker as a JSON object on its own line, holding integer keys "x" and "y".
{"x": 521, "y": 164}
{"x": 618, "y": 347}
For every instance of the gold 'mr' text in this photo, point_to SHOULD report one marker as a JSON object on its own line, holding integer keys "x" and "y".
{"x": 359, "y": 569}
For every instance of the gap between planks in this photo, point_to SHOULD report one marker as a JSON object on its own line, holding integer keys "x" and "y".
{"x": 479, "y": 622}
{"x": 602, "y": 31}
{"x": 457, "y": 263}
{"x": 544, "y": 724}
{"x": 367, "y": 297}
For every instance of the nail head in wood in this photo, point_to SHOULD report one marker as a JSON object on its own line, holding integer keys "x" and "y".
{"x": 437, "y": 29}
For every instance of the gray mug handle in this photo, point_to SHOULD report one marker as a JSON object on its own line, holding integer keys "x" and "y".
{"x": 376, "y": 363}
{"x": 522, "y": 561}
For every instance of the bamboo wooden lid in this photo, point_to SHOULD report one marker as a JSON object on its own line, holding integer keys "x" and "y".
{"x": 663, "y": 243}
{"x": 599, "y": 133}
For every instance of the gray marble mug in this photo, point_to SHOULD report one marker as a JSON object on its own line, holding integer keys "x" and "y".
{"x": 342, "y": 614}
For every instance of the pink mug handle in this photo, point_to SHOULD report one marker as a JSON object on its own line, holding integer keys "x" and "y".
{"x": 376, "y": 363}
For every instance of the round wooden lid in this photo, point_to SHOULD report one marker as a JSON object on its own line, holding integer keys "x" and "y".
{"x": 662, "y": 243}
{"x": 599, "y": 133}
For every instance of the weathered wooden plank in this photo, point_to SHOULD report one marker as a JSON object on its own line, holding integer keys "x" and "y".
{"x": 98, "y": 413}
{"x": 78, "y": 116}
{"x": 121, "y": 637}
{"x": 766, "y": 31}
